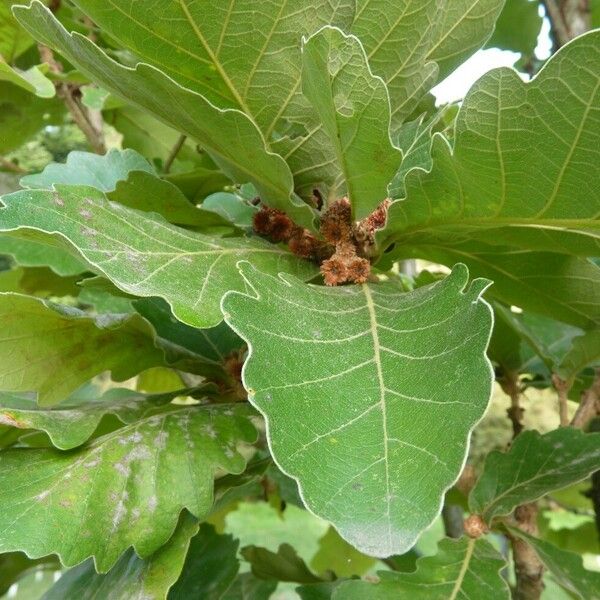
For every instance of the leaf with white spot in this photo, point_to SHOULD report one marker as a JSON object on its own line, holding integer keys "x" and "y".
{"x": 358, "y": 384}
{"x": 52, "y": 350}
{"x": 466, "y": 568}
{"x": 72, "y": 423}
{"x": 131, "y": 577}
{"x": 354, "y": 108}
{"x": 567, "y": 567}
{"x": 144, "y": 255}
{"x": 534, "y": 466}
{"x": 126, "y": 488}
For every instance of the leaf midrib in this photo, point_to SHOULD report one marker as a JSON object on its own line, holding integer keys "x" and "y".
{"x": 380, "y": 379}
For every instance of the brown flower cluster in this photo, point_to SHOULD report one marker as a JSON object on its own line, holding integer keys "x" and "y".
{"x": 353, "y": 242}
{"x": 344, "y": 252}
{"x": 278, "y": 227}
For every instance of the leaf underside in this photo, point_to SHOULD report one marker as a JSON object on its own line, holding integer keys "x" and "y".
{"x": 357, "y": 385}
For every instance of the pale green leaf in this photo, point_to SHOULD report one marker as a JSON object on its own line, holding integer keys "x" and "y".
{"x": 567, "y": 567}
{"x": 354, "y": 107}
{"x": 377, "y": 462}
{"x": 142, "y": 254}
{"x": 73, "y": 422}
{"x": 33, "y": 79}
{"x": 464, "y": 568}
{"x": 86, "y": 168}
{"x": 534, "y": 466}
{"x": 131, "y": 577}
{"x": 210, "y": 567}
{"x": 126, "y": 488}
{"x": 228, "y": 135}
{"x": 522, "y": 170}
{"x": 53, "y": 350}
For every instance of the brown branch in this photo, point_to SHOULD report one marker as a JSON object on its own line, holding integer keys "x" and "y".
{"x": 529, "y": 569}
{"x": 562, "y": 388}
{"x": 568, "y": 19}
{"x": 174, "y": 152}
{"x": 589, "y": 406}
{"x": 8, "y": 165}
{"x": 70, "y": 96}
{"x": 511, "y": 386}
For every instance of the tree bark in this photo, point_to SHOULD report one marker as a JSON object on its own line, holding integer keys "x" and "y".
{"x": 529, "y": 569}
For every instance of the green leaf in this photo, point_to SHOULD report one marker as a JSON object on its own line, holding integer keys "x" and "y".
{"x": 33, "y": 79}
{"x": 131, "y": 577}
{"x": 402, "y": 40}
{"x": 15, "y": 565}
{"x": 359, "y": 462}
{"x": 232, "y": 207}
{"x": 210, "y": 567}
{"x": 153, "y": 139}
{"x": 529, "y": 343}
{"x": 584, "y": 352}
{"x": 567, "y": 567}
{"x": 13, "y": 39}
{"x": 86, "y": 168}
{"x": 337, "y": 555}
{"x": 464, "y": 568}
{"x": 198, "y": 45}
{"x": 414, "y": 139}
{"x": 555, "y": 285}
{"x": 405, "y": 39}
{"x": 354, "y": 107}
{"x": 248, "y": 587}
{"x": 521, "y": 171}
{"x": 283, "y": 565}
{"x": 142, "y": 254}
{"x": 53, "y": 350}
{"x": 534, "y": 466}
{"x": 207, "y": 349}
{"x": 229, "y": 136}
{"x": 73, "y": 422}
{"x": 144, "y": 191}
{"x": 130, "y": 180}
{"x": 126, "y": 488}
{"x": 23, "y": 114}
{"x": 518, "y": 27}
{"x": 32, "y": 252}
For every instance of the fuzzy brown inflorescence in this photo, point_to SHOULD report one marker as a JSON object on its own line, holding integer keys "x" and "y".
{"x": 343, "y": 254}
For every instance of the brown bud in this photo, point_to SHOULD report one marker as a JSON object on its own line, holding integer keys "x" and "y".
{"x": 359, "y": 270}
{"x": 334, "y": 270}
{"x": 475, "y": 526}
